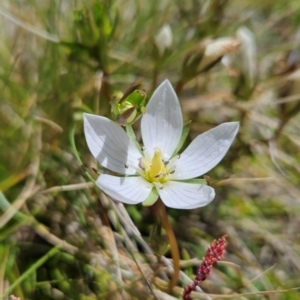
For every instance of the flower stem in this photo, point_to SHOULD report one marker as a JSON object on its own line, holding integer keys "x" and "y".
{"x": 160, "y": 209}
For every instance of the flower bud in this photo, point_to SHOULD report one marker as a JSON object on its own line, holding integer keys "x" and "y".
{"x": 242, "y": 65}
{"x": 247, "y": 53}
{"x": 128, "y": 107}
{"x": 206, "y": 54}
{"x": 164, "y": 38}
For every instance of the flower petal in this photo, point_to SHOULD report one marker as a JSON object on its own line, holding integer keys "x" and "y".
{"x": 130, "y": 190}
{"x": 110, "y": 145}
{"x": 162, "y": 123}
{"x": 205, "y": 151}
{"x": 185, "y": 195}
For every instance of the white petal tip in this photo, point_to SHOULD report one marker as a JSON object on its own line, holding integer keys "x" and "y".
{"x": 234, "y": 126}
{"x": 206, "y": 151}
{"x": 161, "y": 125}
{"x": 166, "y": 83}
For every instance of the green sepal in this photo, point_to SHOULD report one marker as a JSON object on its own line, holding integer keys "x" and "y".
{"x": 195, "y": 180}
{"x": 184, "y": 134}
{"x": 152, "y": 198}
{"x": 127, "y": 116}
{"x": 137, "y": 97}
{"x": 132, "y": 136}
{"x": 115, "y": 109}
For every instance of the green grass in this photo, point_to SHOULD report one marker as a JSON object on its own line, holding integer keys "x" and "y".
{"x": 60, "y": 237}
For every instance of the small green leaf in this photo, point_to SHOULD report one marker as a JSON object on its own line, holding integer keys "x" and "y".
{"x": 130, "y": 90}
{"x": 184, "y": 134}
{"x": 129, "y": 107}
{"x": 137, "y": 97}
{"x": 152, "y": 198}
{"x": 132, "y": 136}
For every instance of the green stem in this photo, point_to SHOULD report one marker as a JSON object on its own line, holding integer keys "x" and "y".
{"x": 160, "y": 209}
{"x": 75, "y": 152}
{"x": 155, "y": 77}
{"x": 32, "y": 269}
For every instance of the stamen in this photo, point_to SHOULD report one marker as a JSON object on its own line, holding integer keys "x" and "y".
{"x": 159, "y": 169}
{"x": 143, "y": 164}
{"x": 140, "y": 171}
{"x": 158, "y": 185}
{"x": 173, "y": 161}
{"x": 160, "y": 175}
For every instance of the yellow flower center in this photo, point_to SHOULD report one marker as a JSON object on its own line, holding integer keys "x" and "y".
{"x": 157, "y": 171}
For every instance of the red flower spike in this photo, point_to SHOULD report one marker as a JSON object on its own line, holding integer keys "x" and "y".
{"x": 214, "y": 253}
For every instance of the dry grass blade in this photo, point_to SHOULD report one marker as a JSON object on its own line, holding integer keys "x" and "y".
{"x": 60, "y": 59}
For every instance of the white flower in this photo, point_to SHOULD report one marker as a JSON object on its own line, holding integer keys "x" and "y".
{"x": 247, "y": 54}
{"x": 164, "y": 38}
{"x": 156, "y": 171}
{"x": 244, "y": 60}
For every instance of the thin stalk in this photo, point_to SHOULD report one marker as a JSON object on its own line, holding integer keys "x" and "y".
{"x": 179, "y": 86}
{"x": 156, "y": 72}
{"x": 160, "y": 209}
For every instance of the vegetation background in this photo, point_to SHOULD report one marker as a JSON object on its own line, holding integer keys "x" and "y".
{"x": 60, "y": 237}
